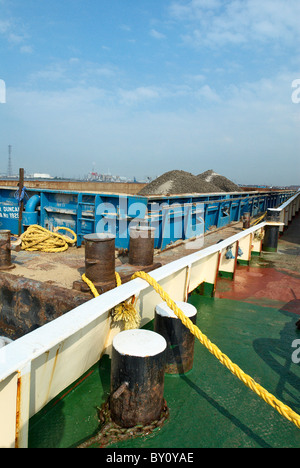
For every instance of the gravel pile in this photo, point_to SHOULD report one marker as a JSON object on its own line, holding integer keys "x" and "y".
{"x": 218, "y": 180}
{"x": 179, "y": 182}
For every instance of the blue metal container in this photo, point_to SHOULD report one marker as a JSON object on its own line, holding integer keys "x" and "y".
{"x": 173, "y": 217}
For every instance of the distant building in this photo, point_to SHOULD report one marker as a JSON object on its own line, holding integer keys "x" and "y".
{"x": 42, "y": 176}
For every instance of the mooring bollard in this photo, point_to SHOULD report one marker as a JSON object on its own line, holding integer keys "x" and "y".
{"x": 273, "y": 215}
{"x": 180, "y": 341}
{"x": 141, "y": 245}
{"x": 246, "y": 220}
{"x": 137, "y": 377}
{"x": 100, "y": 258}
{"x": 5, "y": 250}
{"x": 270, "y": 242}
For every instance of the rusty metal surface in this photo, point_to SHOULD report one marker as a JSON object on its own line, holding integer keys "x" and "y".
{"x": 86, "y": 186}
{"x": 100, "y": 258}
{"x": 141, "y": 246}
{"x": 5, "y": 250}
{"x": 28, "y": 304}
{"x": 125, "y": 271}
{"x": 246, "y": 220}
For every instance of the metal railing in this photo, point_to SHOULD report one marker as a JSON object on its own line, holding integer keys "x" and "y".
{"x": 285, "y": 212}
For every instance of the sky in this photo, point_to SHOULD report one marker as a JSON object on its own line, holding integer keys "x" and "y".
{"x": 137, "y": 88}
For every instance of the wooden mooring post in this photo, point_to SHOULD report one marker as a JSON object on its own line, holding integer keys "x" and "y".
{"x": 137, "y": 377}
{"x": 180, "y": 341}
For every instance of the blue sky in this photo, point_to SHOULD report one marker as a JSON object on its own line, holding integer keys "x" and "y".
{"x": 141, "y": 87}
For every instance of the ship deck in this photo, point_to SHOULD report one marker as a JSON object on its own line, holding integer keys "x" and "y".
{"x": 65, "y": 268}
{"x": 252, "y": 319}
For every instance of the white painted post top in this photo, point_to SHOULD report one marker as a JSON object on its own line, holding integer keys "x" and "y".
{"x": 139, "y": 343}
{"x": 164, "y": 310}
{"x": 274, "y": 223}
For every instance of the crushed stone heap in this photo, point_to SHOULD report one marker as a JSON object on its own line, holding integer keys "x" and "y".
{"x": 218, "y": 180}
{"x": 178, "y": 182}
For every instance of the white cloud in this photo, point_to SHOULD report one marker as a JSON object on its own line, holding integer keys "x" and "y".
{"x": 139, "y": 94}
{"x": 193, "y": 9}
{"x": 15, "y": 39}
{"x": 215, "y": 23}
{"x": 196, "y": 78}
{"x": 208, "y": 93}
{"x": 72, "y": 73}
{"x": 125, "y": 27}
{"x": 53, "y": 72}
{"x": 4, "y": 26}
{"x": 14, "y": 32}
{"x": 256, "y": 119}
{"x": 156, "y": 34}
{"x": 26, "y": 49}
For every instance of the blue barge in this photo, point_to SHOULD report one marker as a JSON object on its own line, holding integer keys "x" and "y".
{"x": 173, "y": 217}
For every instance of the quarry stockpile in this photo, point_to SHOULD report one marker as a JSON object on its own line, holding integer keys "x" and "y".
{"x": 179, "y": 182}
{"x": 219, "y": 181}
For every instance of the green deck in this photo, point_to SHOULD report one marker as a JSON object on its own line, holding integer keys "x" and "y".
{"x": 252, "y": 320}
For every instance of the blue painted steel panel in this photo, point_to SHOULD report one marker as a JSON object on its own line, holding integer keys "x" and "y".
{"x": 173, "y": 217}
{"x": 9, "y": 210}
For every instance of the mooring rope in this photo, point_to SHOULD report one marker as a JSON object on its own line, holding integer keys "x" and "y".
{"x": 126, "y": 314}
{"x": 283, "y": 409}
{"x": 257, "y": 221}
{"x": 125, "y": 311}
{"x": 37, "y": 238}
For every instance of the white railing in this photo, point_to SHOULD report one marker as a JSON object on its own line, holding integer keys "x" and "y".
{"x": 38, "y": 366}
{"x": 287, "y": 210}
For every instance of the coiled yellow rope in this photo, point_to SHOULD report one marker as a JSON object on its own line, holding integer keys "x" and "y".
{"x": 283, "y": 409}
{"x": 37, "y": 238}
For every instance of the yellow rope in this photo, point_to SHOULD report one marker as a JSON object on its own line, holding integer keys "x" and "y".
{"x": 37, "y": 238}
{"x": 257, "y": 221}
{"x": 91, "y": 285}
{"x": 283, "y": 409}
{"x": 125, "y": 311}
{"x": 130, "y": 317}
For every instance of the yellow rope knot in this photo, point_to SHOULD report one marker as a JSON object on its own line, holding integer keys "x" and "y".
{"x": 127, "y": 313}
{"x": 124, "y": 312}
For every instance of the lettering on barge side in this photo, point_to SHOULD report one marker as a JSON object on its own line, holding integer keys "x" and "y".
{"x": 9, "y": 212}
